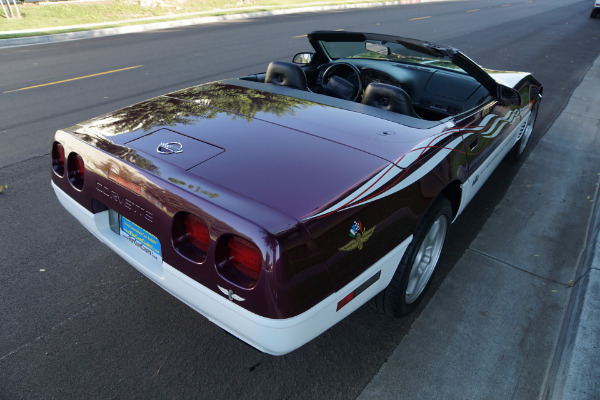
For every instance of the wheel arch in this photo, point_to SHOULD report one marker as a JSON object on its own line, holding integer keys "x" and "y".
{"x": 453, "y": 193}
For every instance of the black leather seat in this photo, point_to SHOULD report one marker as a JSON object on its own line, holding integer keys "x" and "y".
{"x": 389, "y": 97}
{"x": 286, "y": 74}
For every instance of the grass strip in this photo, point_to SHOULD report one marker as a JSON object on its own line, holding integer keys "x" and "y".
{"x": 48, "y": 14}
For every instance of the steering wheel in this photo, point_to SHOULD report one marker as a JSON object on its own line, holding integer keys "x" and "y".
{"x": 342, "y": 80}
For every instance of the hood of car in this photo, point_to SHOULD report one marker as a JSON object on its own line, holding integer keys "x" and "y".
{"x": 292, "y": 155}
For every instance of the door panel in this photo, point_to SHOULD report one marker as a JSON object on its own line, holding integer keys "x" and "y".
{"x": 488, "y": 136}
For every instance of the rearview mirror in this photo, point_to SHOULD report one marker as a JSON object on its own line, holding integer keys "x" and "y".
{"x": 302, "y": 58}
{"x": 377, "y": 47}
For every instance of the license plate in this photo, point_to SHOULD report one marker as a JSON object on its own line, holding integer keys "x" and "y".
{"x": 140, "y": 237}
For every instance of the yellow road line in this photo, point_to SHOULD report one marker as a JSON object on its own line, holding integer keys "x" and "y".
{"x": 74, "y": 79}
{"x": 477, "y": 9}
{"x": 414, "y": 19}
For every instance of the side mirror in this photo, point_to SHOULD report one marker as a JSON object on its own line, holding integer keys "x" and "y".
{"x": 509, "y": 95}
{"x": 302, "y": 58}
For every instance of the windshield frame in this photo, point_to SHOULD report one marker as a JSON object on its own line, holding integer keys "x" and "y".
{"x": 397, "y": 52}
{"x": 318, "y": 39}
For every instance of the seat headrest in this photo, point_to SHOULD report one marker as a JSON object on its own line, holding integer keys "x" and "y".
{"x": 286, "y": 74}
{"x": 388, "y": 97}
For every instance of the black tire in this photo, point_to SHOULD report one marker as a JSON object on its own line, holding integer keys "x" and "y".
{"x": 519, "y": 147}
{"x": 398, "y": 299}
{"x": 594, "y": 13}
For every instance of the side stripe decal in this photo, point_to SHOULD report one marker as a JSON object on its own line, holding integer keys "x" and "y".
{"x": 400, "y": 174}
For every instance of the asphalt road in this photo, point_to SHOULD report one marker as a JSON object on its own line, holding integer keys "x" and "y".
{"x": 76, "y": 321}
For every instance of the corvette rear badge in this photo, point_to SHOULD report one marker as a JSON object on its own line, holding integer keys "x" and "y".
{"x": 169, "y": 148}
{"x": 359, "y": 236}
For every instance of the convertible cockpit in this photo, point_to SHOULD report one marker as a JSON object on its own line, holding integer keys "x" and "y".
{"x": 403, "y": 76}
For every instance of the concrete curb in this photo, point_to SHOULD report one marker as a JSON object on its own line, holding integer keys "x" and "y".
{"x": 575, "y": 372}
{"x": 28, "y": 41}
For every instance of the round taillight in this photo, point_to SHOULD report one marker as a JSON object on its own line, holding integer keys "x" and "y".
{"x": 245, "y": 257}
{"x": 58, "y": 159}
{"x": 191, "y": 236}
{"x": 197, "y": 232}
{"x": 76, "y": 170}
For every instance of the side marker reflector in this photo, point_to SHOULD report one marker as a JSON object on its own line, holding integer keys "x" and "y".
{"x": 345, "y": 301}
{"x": 352, "y": 295}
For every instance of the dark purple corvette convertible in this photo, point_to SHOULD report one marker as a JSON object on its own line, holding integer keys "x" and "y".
{"x": 278, "y": 203}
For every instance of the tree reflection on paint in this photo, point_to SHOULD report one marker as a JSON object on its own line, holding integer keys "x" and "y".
{"x": 188, "y": 106}
{"x": 117, "y": 150}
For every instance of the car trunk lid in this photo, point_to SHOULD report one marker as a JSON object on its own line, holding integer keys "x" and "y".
{"x": 295, "y": 156}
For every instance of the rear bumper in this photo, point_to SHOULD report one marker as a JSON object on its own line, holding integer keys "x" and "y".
{"x": 273, "y": 336}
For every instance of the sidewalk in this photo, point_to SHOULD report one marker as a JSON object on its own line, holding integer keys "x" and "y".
{"x": 473, "y": 341}
{"x": 577, "y": 360}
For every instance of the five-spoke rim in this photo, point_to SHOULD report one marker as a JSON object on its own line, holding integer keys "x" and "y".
{"x": 426, "y": 259}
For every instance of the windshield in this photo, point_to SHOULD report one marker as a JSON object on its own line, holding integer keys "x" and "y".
{"x": 394, "y": 51}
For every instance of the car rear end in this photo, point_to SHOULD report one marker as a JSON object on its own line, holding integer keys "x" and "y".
{"x": 206, "y": 256}
{"x": 181, "y": 233}
{"x": 211, "y": 200}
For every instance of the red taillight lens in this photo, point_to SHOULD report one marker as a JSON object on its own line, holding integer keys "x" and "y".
{"x": 245, "y": 257}
{"x": 190, "y": 237}
{"x": 197, "y": 232}
{"x": 58, "y": 158}
{"x": 76, "y": 170}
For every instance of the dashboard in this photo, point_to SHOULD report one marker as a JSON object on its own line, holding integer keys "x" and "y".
{"x": 436, "y": 93}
